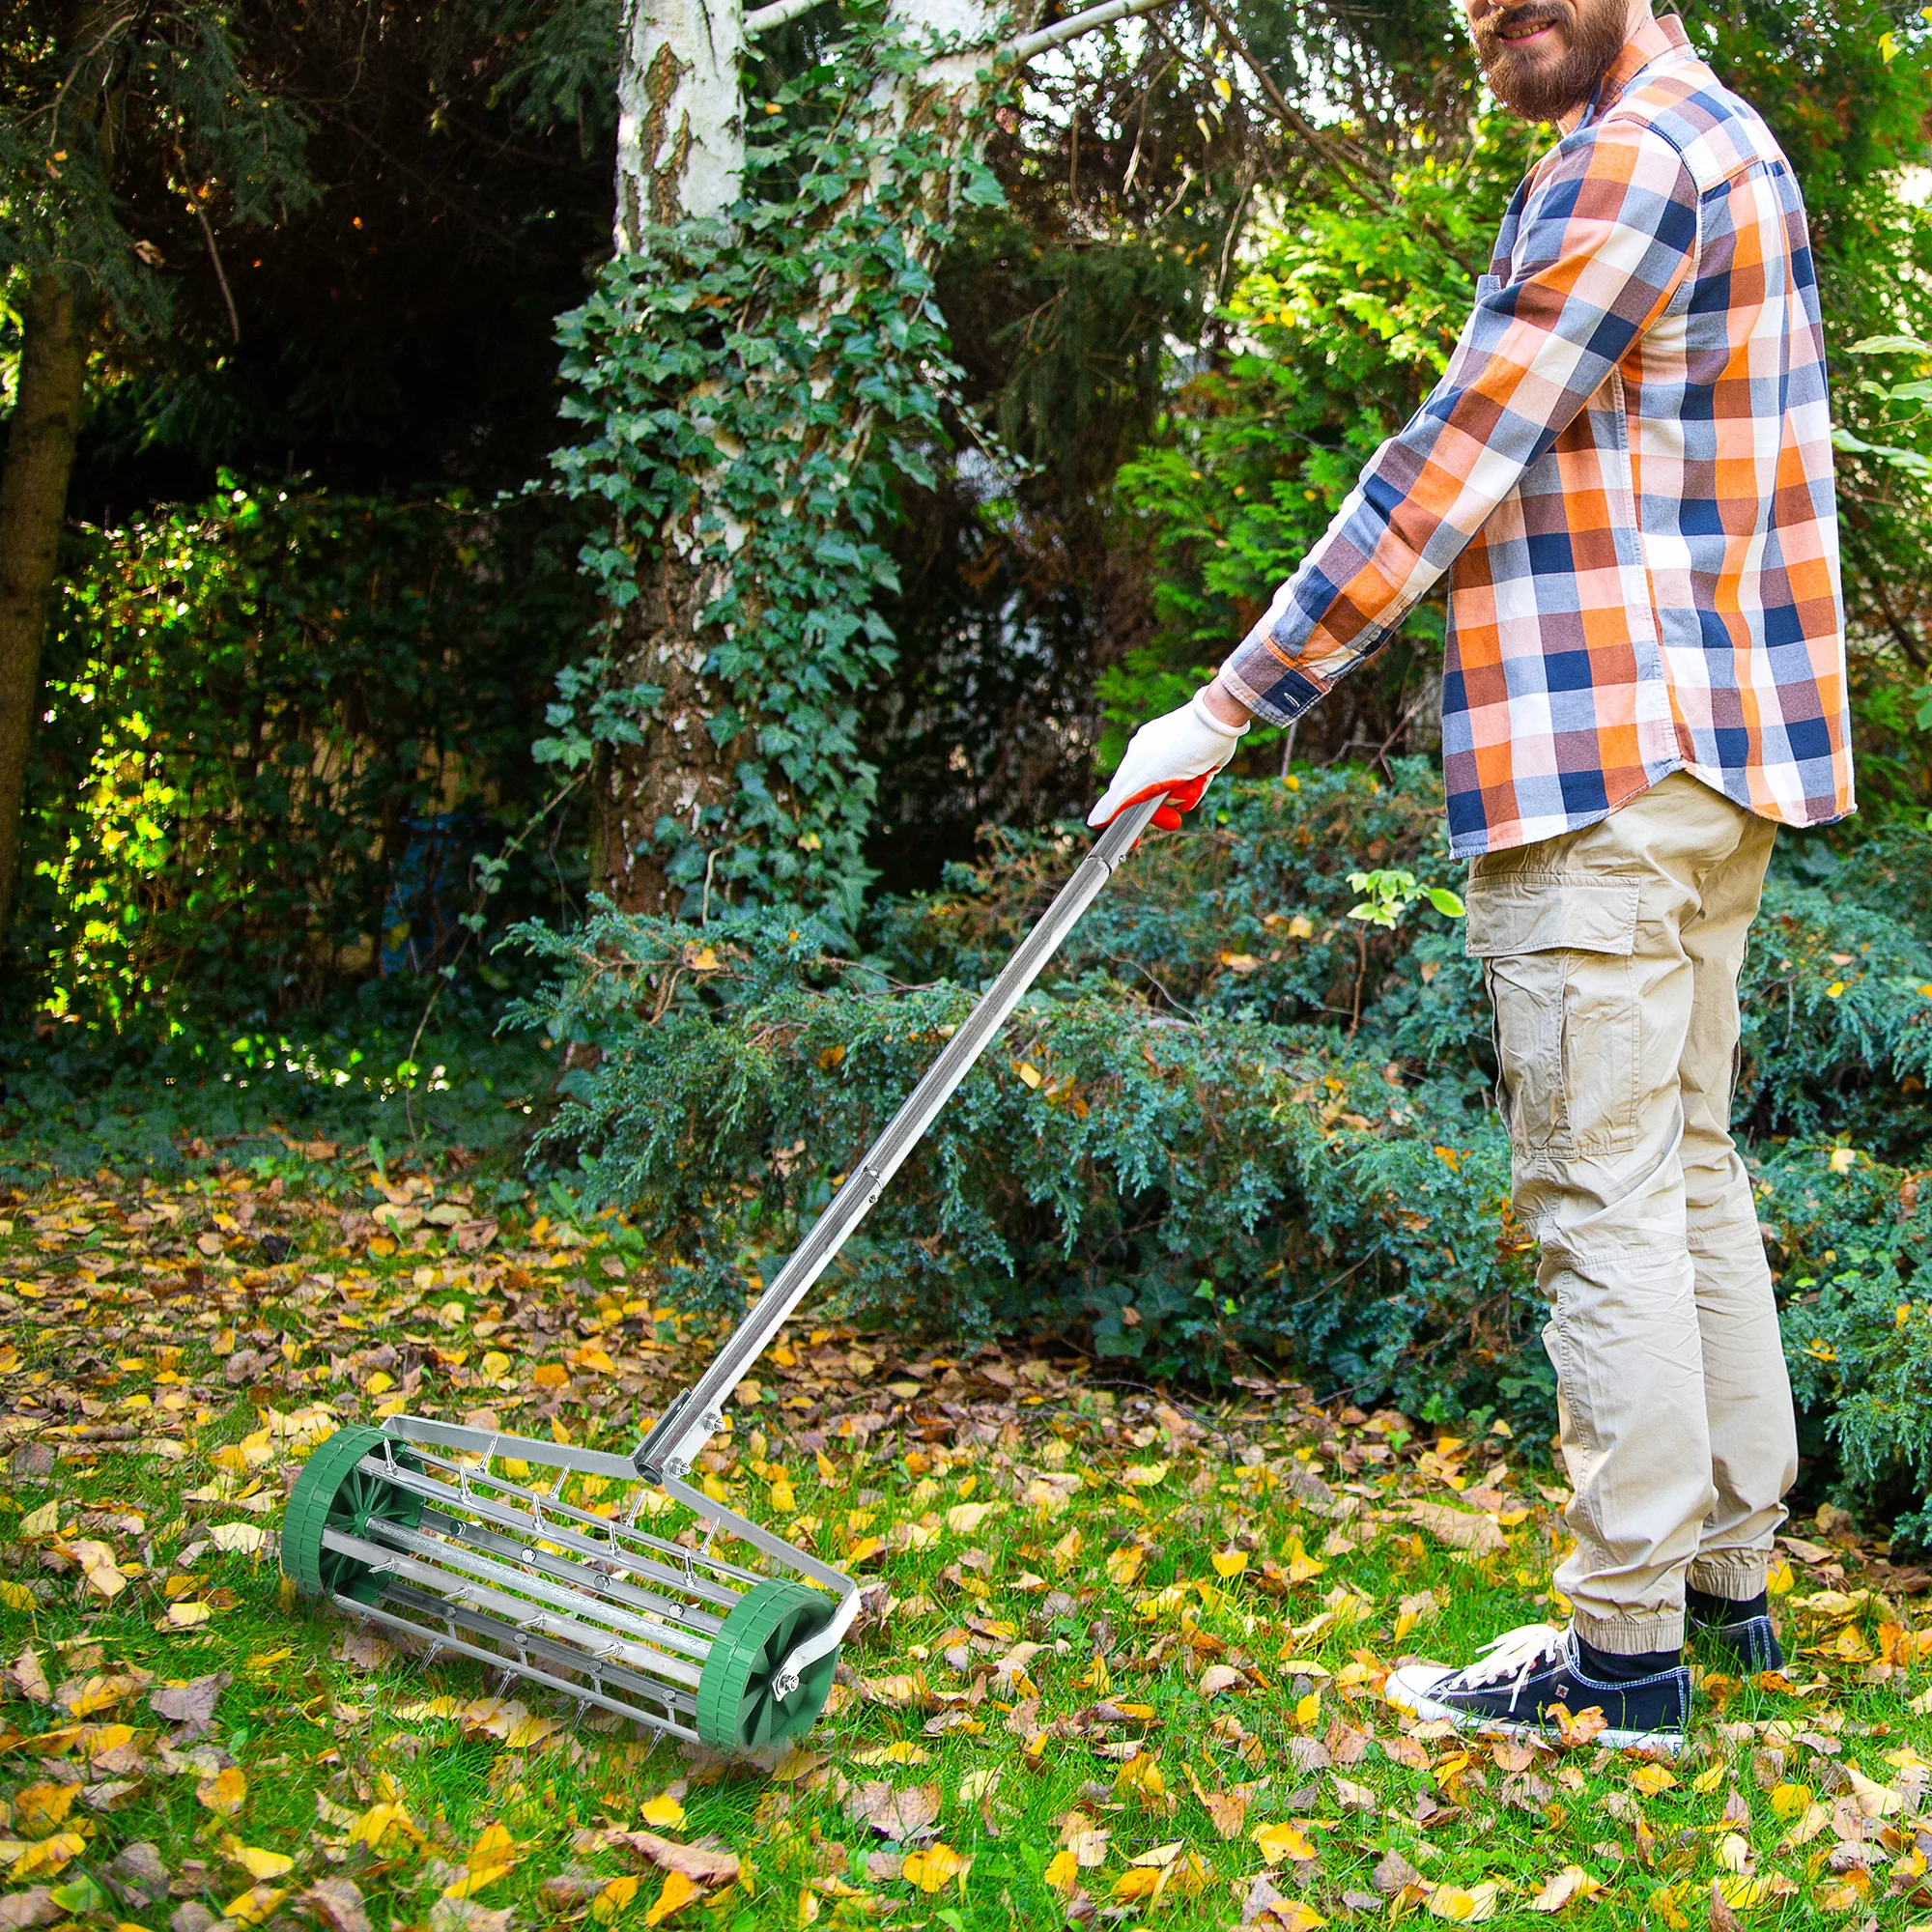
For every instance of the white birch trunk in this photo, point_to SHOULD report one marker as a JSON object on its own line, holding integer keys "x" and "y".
{"x": 681, "y": 155}
{"x": 680, "y": 124}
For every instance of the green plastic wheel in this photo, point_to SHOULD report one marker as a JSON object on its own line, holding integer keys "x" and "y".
{"x": 736, "y": 1710}
{"x": 332, "y": 1493}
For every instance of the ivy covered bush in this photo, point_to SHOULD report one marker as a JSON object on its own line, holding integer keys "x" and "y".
{"x": 1235, "y": 1124}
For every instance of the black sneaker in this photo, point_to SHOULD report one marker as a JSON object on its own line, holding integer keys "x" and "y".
{"x": 1520, "y": 1674}
{"x": 1748, "y": 1644}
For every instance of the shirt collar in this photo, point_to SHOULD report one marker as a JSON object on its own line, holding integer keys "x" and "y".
{"x": 1655, "y": 38}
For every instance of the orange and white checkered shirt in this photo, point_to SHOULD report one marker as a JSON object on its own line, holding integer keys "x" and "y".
{"x": 1626, "y": 472}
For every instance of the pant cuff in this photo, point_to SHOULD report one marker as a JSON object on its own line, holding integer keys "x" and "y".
{"x": 1737, "y": 1577}
{"x": 1631, "y": 1636}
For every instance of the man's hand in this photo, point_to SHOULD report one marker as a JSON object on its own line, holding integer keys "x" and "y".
{"x": 1177, "y": 754}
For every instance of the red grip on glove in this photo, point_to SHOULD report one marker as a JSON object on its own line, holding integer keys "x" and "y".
{"x": 1181, "y": 797}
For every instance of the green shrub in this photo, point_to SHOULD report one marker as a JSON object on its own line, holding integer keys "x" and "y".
{"x": 280, "y": 728}
{"x": 1231, "y": 1124}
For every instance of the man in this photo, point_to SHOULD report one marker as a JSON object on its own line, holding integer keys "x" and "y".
{"x": 1625, "y": 473}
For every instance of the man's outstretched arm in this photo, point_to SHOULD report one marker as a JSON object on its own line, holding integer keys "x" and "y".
{"x": 1607, "y": 236}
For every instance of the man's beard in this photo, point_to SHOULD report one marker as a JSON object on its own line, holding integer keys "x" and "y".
{"x": 1535, "y": 88}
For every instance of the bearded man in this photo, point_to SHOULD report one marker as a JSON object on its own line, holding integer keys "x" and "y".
{"x": 1625, "y": 473}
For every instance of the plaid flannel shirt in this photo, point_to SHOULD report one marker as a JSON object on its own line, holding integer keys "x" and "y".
{"x": 1626, "y": 472}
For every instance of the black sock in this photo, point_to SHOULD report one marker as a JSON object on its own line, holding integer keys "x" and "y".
{"x": 1608, "y": 1667}
{"x": 1709, "y": 1609}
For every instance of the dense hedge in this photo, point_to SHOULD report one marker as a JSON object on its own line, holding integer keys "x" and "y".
{"x": 281, "y": 728}
{"x": 1235, "y": 1124}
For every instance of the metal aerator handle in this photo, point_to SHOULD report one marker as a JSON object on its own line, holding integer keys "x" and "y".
{"x": 674, "y": 1443}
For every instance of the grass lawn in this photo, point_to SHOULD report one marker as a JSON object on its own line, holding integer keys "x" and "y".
{"x": 1121, "y": 1660}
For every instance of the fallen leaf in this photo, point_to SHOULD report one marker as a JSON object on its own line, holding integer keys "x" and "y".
{"x": 40, "y": 1809}
{"x": 257, "y": 1862}
{"x": 676, "y": 1892}
{"x": 934, "y": 1866}
{"x": 899, "y": 1815}
{"x": 1460, "y": 1529}
{"x": 22, "y": 1911}
{"x": 695, "y": 1862}
{"x": 24, "y": 1674}
{"x": 238, "y": 1537}
{"x": 254, "y": 1905}
{"x": 662, "y": 1810}
{"x": 223, "y": 1793}
{"x": 190, "y": 1704}
{"x": 1283, "y": 1840}
{"x": 47, "y": 1856}
{"x": 1464, "y": 1906}
{"x": 1581, "y": 1729}
{"x": 1568, "y": 1885}
{"x": 337, "y": 1902}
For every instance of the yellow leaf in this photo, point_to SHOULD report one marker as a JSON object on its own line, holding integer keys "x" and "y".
{"x": 50, "y": 1855}
{"x": 1144, "y": 1475}
{"x": 934, "y": 1866}
{"x": 616, "y": 1898}
{"x": 662, "y": 1810}
{"x": 476, "y": 1878}
{"x": 1030, "y": 1074}
{"x": 1228, "y": 1562}
{"x": 1843, "y": 1160}
{"x": 676, "y": 1892}
{"x": 43, "y": 1521}
{"x": 40, "y": 1808}
{"x": 1139, "y": 1882}
{"x": 1282, "y": 1841}
{"x": 223, "y": 1793}
{"x": 494, "y": 1844}
{"x": 1709, "y": 1780}
{"x": 1139, "y": 1777}
{"x": 1781, "y": 1578}
{"x": 901, "y": 1751}
{"x": 1464, "y": 1908}
{"x": 18, "y": 1597}
{"x": 378, "y": 1822}
{"x": 1651, "y": 1779}
{"x": 1063, "y": 1873}
{"x": 1124, "y": 1565}
{"x": 591, "y": 1356}
{"x": 1742, "y": 1894}
{"x": 257, "y": 1862}
{"x": 254, "y": 1905}
{"x": 185, "y": 1615}
{"x": 1308, "y": 1708}
{"x": 963, "y": 1518}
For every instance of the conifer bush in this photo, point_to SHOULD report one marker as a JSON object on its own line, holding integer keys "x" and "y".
{"x": 1233, "y": 1124}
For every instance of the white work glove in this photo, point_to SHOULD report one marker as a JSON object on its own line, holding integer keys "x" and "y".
{"x": 1177, "y": 753}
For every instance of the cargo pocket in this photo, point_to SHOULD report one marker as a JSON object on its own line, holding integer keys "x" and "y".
{"x": 1556, "y": 956}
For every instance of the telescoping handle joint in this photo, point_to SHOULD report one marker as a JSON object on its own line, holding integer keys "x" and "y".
{"x": 681, "y": 1432}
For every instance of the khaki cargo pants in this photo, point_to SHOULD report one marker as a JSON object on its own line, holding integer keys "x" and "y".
{"x": 1612, "y": 957}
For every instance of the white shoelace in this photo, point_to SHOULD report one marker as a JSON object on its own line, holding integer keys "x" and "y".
{"x": 1517, "y": 1654}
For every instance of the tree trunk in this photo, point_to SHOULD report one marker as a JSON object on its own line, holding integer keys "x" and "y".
{"x": 680, "y": 156}
{"x": 33, "y": 504}
{"x": 672, "y": 82}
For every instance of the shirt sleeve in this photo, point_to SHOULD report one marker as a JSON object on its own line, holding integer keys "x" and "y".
{"x": 1608, "y": 232}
